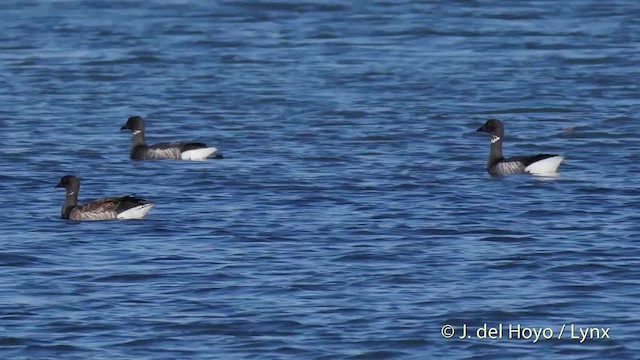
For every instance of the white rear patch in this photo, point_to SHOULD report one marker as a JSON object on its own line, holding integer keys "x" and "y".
{"x": 137, "y": 212}
{"x": 548, "y": 166}
{"x": 198, "y": 154}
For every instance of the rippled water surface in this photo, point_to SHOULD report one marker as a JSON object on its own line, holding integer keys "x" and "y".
{"x": 352, "y": 216}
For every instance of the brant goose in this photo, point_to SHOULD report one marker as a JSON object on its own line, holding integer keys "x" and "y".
{"x": 541, "y": 164}
{"x": 172, "y": 150}
{"x": 124, "y": 207}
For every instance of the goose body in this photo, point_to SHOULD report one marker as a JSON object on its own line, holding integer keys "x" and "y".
{"x": 180, "y": 150}
{"x": 541, "y": 164}
{"x": 120, "y": 207}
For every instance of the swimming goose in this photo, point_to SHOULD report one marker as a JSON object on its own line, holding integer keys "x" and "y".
{"x": 124, "y": 207}
{"x": 171, "y": 150}
{"x": 541, "y": 164}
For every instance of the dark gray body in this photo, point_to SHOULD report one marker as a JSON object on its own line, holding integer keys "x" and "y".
{"x": 516, "y": 165}
{"x": 170, "y": 150}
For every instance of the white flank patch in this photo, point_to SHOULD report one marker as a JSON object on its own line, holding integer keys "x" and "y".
{"x": 198, "y": 154}
{"x": 548, "y": 166}
{"x": 169, "y": 153}
{"x": 137, "y": 212}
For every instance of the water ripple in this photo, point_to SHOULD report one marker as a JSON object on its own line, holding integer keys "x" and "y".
{"x": 352, "y": 216}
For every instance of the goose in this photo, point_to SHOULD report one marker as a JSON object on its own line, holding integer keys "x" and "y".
{"x": 123, "y": 207}
{"x": 169, "y": 150}
{"x": 541, "y": 164}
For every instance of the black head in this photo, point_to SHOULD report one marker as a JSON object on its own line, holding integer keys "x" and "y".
{"x": 493, "y": 127}
{"x": 69, "y": 182}
{"x": 134, "y": 123}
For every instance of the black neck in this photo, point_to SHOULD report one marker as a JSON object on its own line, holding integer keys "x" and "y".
{"x": 495, "y": 154}
{"x": 136, "y": 142}
{"x": 137, "y": 139}
{"x": 70, "y": 202}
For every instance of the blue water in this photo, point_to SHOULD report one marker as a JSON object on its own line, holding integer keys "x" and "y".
{"x": 352, "y": 217}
